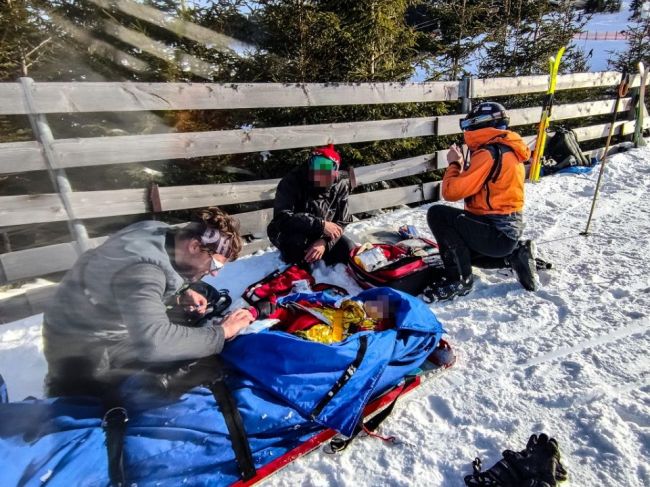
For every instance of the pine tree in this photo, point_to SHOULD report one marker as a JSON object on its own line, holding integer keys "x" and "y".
{"x": 530, "y": 32}
{"x": 595, "y": 6}
{"x": 332, "y": 41}
{"x": 25, "y": 39}
{"x": 455, "y": 31}
{"x": 638, "y": 42}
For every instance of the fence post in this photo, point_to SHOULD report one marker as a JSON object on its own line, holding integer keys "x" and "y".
{"x": 59, "y": 179}
{"x": 464, "y": 94}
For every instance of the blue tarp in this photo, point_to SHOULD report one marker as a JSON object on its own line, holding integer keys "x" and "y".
{"x": 573, "y": 170}
{"x": 277, "y": 380}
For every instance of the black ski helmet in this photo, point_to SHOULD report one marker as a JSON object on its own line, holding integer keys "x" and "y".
{"x": 486, "y": 114}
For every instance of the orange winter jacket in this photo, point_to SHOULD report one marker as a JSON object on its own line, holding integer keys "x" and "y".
{"x": 506, "y": 194}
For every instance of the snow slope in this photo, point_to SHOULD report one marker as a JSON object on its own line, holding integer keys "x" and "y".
{"x": 603, "y": 51}
{"x": 570, "y": 360}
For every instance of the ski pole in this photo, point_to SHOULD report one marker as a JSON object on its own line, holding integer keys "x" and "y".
{"x": 622, "y": 91}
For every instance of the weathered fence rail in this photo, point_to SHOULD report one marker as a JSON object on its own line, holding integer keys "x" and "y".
{"x": 71, "y": 98}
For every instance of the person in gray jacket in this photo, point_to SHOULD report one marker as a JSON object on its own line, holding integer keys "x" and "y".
{"x": 109, "y": 316}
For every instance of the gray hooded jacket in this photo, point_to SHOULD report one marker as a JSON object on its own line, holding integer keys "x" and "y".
{"x": 110, "y": 308}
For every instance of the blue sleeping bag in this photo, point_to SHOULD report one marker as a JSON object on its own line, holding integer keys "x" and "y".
{"x": 278, "y": 382}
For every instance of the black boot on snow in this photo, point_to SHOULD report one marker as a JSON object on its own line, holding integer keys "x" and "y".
{"x": 523, "y": 262}
{"x": 539, "y": 465}
{"x": 446, "y": 289}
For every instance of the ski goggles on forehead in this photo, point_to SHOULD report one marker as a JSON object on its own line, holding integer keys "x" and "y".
{"x": 322, "y": 163}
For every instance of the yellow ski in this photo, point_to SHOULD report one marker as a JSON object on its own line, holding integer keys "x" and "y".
{"x": 540, "y": 142}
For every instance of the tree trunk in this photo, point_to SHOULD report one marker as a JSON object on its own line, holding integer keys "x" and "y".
{"x": 455, "y": 66}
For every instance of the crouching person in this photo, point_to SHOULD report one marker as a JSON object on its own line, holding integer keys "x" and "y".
{"x": 311, "y": 211}
{"x": 108, "y": 319}
{"x": 492, "y": 185}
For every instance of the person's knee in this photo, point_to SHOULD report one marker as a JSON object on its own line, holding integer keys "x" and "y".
{"x": 439, "y": 216}
{"x": 433, "y": 212}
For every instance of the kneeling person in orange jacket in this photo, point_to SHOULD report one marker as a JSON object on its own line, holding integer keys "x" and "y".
{"x": 492, "y": 185}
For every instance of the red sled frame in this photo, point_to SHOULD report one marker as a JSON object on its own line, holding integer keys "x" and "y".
{"x": 319, "y": 438}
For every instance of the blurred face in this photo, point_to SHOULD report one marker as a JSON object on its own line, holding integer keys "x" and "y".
{"x": 378, "y": 309}
{"x": 322, "y": 171}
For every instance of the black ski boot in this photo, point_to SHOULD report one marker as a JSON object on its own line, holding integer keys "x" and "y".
{"x": 523, "y": 262}
{"x": 446, "y": 289}
{"x": 539, "y": 465}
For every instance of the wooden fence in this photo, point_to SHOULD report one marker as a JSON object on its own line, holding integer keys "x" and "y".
{"x": 36, "y": 100}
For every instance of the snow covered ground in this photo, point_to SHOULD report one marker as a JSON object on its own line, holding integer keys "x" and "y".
{"x": 570, "y": 360}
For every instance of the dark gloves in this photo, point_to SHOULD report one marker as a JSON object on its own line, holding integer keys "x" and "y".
{"x": 537, "y": 466}
{"x": 265, "y": 308}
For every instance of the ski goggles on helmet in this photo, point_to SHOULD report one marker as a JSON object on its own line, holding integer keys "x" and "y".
{"x": 322, "y": 163}
{"x": 483, "y": 120}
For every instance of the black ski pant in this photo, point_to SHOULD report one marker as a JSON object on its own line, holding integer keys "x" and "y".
{"x": 293, "y": 248}
{"x": 465, "y": 238}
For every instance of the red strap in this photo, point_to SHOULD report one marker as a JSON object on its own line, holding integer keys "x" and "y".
{"x": 387, "y": 439}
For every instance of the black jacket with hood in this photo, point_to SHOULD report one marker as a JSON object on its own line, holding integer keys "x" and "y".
{"x": 301, "y": 208}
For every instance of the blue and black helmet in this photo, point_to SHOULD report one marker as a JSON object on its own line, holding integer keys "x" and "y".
{"x": 486, "y": 114}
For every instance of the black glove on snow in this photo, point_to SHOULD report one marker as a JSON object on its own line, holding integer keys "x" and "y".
{"x": 536, "y": 466}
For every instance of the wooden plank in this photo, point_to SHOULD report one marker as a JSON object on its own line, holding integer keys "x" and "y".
{"x": 254, "y": 222}
{"x": 30, "y": 302}
{"x": 601, "y": 131}
{"x": 40, "y": 261}
{"x": 23, "y": 209}
{"x": 135, "y": 148}
{"x": 11, "y": 99}
{"x": 21, "y": 157}
{"x": 183, "y": 197}
{"x": 87, "y": 204}
{"x": 386, "y": 198}
{"x": 598, "y": 153}
{"x": 395, "y": 169}
{"x": 485, "y": 88}
{"x": 95, "y": 204}
{"x": 448, "y": 125}
{"x": 77, "y": 97}
{"x": 35, "y": 262}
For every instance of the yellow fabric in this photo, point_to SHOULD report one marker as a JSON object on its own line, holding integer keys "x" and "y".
{"x": 350, "y": 313}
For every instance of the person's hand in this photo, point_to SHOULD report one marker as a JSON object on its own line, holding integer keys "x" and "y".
{"x": 193, "y": 302}
{"x": 332, "y": 230}
{"x": 455, "y": 155}
{"x": 315, "y": 251}
{"x": 235, "y": 321}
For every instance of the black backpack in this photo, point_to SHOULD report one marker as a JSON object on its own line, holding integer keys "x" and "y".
{"x": 562, "y": 150}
